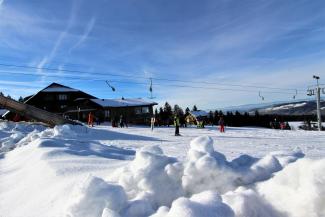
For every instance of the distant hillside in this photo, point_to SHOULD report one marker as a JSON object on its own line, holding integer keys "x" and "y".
{"x": 297, "y": 108}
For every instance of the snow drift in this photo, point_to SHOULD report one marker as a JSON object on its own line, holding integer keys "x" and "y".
{"x": 12, "y": 133}
{"x": 205, "y": 184}
{"x": 280, "y": 184}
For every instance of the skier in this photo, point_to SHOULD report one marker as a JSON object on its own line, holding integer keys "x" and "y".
{"x": 90, "y": 119}
{"x": 153, "y": 120}
{"x": 222, "y": 125}
{"x": 176, "y": 123}
{"x": 121, "y": 121}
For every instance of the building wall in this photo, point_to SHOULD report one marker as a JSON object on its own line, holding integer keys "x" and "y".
{"x": 134, "y": 115}
{"x": 56, "y": 102}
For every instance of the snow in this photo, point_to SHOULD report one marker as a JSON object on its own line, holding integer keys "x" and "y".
{"x": 102, "y": 171}
{"x": 122, "y": 102}
{"x": 207, "y": 203}
{"x": 287, "y": 106}
{"x": 59, "y": 89}
{"x": 94, "y": 195}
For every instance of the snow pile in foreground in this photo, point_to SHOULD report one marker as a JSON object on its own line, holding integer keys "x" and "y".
{"x": 12, "y": 133}
{"x": 206, "y": 184}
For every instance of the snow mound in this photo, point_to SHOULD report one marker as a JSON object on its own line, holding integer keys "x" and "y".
{"x": 207, "y": 169}
{"x": 12, "y": 134}
{"x": 158, "y": 185}
{"x": 206, "y": 203}
{"x": 298, "y": 189}
{"x": 152, "y": 175}
{"x": 96, "y": 197}
{"x": 248, "y": 203}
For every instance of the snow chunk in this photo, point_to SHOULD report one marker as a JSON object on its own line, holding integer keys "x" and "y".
{"x": 206, "y": 203}
{"x": 207, "y": 169}
{"x": 15, "y": 134}
{"x": 298, "y": 189}
{"x": 110, "y": 213}
{"x": 202, "y": 144}
{"x": 93, "y": 196}
{"x": 138, "y": 208}
{"x": 247, "y": 203}
{"x": 152, "y": 175}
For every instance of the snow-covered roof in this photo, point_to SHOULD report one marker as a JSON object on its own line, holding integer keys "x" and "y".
{"x": 199, "y": 113}
{"x": 59, "y": 89}
{"x": 55, "y": 87}
{"x": 122, "y": 102}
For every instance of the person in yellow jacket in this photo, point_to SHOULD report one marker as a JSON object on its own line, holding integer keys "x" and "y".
{"x": 176, "y": 123}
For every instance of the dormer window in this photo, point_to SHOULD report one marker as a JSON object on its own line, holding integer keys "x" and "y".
{"x": 63, "y": 97}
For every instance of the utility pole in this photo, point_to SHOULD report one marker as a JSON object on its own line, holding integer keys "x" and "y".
{"x": 319, "y": 117}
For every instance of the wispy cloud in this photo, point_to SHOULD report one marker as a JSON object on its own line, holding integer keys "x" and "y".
{"x": 84, "y": 36}
{"x": 49, "y": 57}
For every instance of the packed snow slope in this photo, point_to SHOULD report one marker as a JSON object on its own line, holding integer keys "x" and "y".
{"x": 76, "y": 171}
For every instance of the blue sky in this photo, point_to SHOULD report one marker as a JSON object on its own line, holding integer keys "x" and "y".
{"x": 272, "y": 43}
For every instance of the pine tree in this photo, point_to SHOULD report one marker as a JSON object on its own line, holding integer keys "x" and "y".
{"x": 211, "y": 117}
{"x": 257, "y": 114}
{"x": 187, "y": 110}
{"x": 161, "y": 115}
{"x": 21, "y": 99}
{"x": 194, "y": 108}
{"x": 178, "y": 110}
{"x": 156, "y": 113}
{"x": 168, "y": 113}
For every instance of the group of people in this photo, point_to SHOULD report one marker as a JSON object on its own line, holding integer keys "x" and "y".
{"x": 119, "y": 122}
{"x": 280, "y": 125}
{"x": 177, "y": 125}
{"x": 122, "y": 123}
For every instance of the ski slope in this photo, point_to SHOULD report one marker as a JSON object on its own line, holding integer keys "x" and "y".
{"x": 104, "y": 171}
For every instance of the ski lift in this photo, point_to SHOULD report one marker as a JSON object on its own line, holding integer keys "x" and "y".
{"x": 309, "y": 92}
{"x": 294, "y": 96}
{"x": 259, "y": 94}
{"x": 150, "y": 89}
{"x": 113, "y": 89}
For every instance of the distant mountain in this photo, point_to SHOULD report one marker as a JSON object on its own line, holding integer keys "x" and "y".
{"x": 294, "y": 108}
{"x": 298, "y": 107}
{"x": 248, "y": 107}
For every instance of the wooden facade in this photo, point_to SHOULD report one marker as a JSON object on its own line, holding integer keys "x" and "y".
{"x": 135, "y": 114}
{"x": 75, "y": 104}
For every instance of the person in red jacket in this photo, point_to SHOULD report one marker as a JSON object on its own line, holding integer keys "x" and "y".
{"x": 90, "y": 119}
{"x": 222, "y": 125}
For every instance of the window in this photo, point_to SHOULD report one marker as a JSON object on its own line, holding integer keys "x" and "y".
{"x": 137, "y": 110}
{"x": 106, "y": 113}
{"x": 141, "y": 110}
{"x": 145, "y": 110}
{"x": 63, "y": 97}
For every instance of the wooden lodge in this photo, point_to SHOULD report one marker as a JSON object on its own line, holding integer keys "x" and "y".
{"x": 76, "y": 104}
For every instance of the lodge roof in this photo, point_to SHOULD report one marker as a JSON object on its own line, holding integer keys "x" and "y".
{"x": 55, "y": 87}
{"x": 123, "y": 102}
